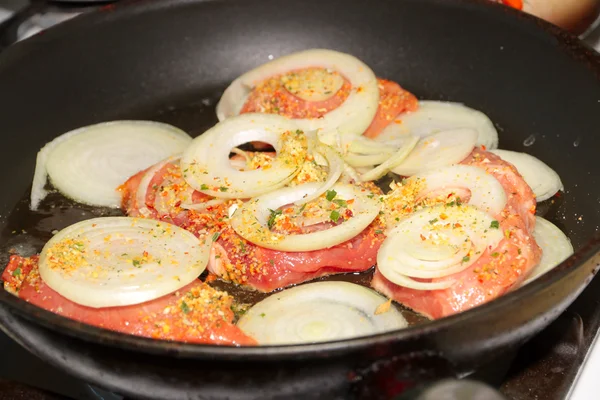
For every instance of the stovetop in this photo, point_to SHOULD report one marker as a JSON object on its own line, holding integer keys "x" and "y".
{"x": 559, "y": 363}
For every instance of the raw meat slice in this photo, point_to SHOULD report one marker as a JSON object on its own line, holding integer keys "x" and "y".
{"x": 498, "y": 270}
{"x": 196, "y": 313}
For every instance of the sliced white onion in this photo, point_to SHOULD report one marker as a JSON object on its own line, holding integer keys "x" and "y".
{"x": 350, "y": 175}
{"x": 364, "y": 145}
{"x": 556, "y": 247}
{"x": 436, "y": 116}
{"x": 438, "y": 150}
{"x": 487, "y": 193}
{"x": 391, "y": 162}
{"x": 251, "y": 219}
{"x": 353, "y": 117}
{"x": 436, "y": 242}
{"x": 319, "y": 312}
{"x": 89, "y": 163}
{"x": 335, "y": 166}
{"x": 367, "y": 160}
{"x": 365, "y": 152}
{"x": 118, "y": 261}
{"x": 542, "y": 179}
{"x": 242, "y": 153}
{"x": 207, "y": 167}
{"x": 40, "y": 175}
{"x": 203, "y": 206}
{"x": 142, "y": 190}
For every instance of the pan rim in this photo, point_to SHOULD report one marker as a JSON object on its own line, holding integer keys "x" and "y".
{"x": 90, "y": 333}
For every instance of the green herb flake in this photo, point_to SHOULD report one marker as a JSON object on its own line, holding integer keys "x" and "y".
{"x": 272, "y": 217}
{"x": 341, "y": 203}
{"x": 184, "y": 307}
{"x": 263, "y": 315}
{"x": 370, "y": 196}
{"x": 330, "y": 195}
{"x": 334, "y": 216}
{"x": 433, "y": 221}
{"x": 466, "y": 259}
{"x": 495, "y": 254}
{"x": 242, "y": 246}
{"x": 495, "y": 225}
{"x": 378, "y": 232}
{"x": 136, "y": 263}
{"x": 17, "y": 272}
{"x": 203, "y": 187}
{"x": 215, "y": 236}
{"x": 223, "y": 188}
{"x": 272, "y": 262}
{"x": 78, "y": 246}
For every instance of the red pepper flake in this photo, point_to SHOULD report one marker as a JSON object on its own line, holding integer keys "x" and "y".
{"x": 422, "y": 237}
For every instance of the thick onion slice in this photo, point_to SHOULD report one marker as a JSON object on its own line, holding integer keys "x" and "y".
{"x": 556, "y": 247}
{"x": 89, "y": 163}
{"x": 320, "y": 312}
{"x": 251, "y": 219}
{"x": 436, "y": 116}
{"x": 487, "y": 193}
{"x": 391, "y": 162}
{"x": 353, "y": 117}
{"x": 118, "y": 261}
{"x": 335, "y": 166}
{"x": 438, "y": 150}
{"x": 542, "y": 179}
{"x": 207, "y": 168}
{"x": 436, "y": 242}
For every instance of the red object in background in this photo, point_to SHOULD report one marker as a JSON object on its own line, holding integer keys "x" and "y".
{"x": 518, "y": 4}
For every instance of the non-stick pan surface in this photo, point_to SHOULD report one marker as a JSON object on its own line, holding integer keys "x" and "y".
{"x": 170, "y": 61}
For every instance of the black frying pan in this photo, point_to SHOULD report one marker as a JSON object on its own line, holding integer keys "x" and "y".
{"x": 165, "y": 61}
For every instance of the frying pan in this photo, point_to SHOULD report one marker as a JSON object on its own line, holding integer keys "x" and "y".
{"x": 170, "y": 62}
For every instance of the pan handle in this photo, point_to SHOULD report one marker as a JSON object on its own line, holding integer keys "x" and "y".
{"x": 9, "y": 29}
